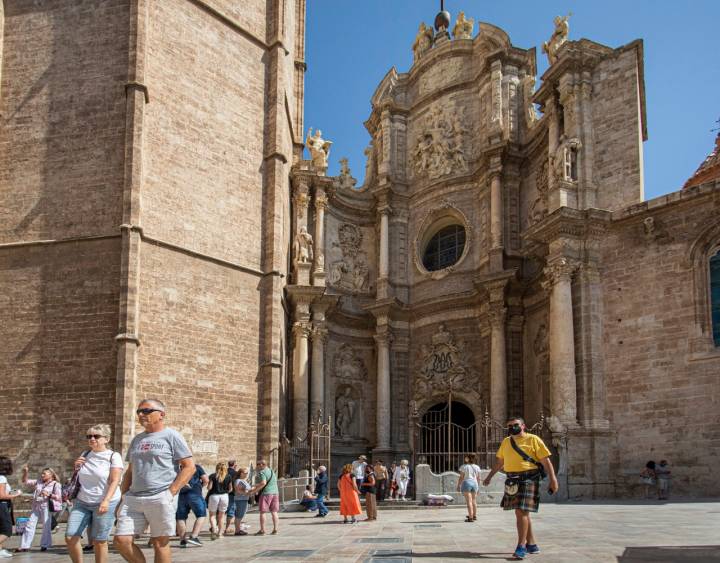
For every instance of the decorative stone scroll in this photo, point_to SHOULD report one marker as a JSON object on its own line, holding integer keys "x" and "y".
{"x": 351, "y": 272}
{"x": 463, "y": 27}
{"x": 441, "y": 146}
{"x": 347, "y": 366}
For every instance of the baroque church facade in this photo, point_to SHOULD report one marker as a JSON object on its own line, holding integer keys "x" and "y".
{"x": 164, "y": 235}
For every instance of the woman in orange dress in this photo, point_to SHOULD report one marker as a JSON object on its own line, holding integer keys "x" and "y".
{"x": 349, "y": 499}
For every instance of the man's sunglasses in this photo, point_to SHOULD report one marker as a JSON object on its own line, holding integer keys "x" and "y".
{"x": 147, "y": 411}
{"x": 96, "y": 436}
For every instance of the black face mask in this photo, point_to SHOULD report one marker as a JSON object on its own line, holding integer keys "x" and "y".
{"x": 515, "y": 429}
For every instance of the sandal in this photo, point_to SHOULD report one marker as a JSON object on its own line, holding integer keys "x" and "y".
{"x": 274, "y": 533}
{"x": 259, "y": 533}
{"x": 468, "y": 519}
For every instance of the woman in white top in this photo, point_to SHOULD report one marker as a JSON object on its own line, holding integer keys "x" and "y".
{"x": 468, "y": 484}
{"x": 99, "y": 470}
{"x": 401, "y": 476}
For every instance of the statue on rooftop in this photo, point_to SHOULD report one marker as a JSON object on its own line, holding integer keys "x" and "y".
{"x": 423, "y": 41}
{"x": 558, "y": 38}
{"x": 463, "y": 27}
{"x": 319, "y": 150}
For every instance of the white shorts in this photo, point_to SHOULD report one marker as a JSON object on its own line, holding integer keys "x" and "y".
{"x": 218, "y": 503}
{"x": 135, "y": 513}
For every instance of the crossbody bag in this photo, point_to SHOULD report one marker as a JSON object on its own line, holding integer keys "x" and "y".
{"x": 260, "y": 492}
{"x": 512, "y": 484}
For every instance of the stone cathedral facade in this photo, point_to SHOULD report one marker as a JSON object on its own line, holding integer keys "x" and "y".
{"x": 163, "y": 234}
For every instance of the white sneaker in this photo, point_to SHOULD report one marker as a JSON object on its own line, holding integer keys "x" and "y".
{"x": 5, "y": 553}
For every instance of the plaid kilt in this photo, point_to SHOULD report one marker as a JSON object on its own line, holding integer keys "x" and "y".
{"x": 527, "y": 497}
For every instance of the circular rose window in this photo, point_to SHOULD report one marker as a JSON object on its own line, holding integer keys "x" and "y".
{"x": 444, "y": 248}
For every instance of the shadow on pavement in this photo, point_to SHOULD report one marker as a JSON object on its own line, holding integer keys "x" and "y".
{"x": 671, "y": 554}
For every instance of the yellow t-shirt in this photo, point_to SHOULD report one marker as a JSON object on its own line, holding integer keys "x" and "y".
{"x": 532, "y": 445}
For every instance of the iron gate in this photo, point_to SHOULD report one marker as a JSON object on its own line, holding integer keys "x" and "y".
{"x": 306, "y": 452}
{"x": 443, "y": 444}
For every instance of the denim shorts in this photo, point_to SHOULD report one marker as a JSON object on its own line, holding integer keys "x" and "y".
{"x": 241, "y": 506}
{"x": 469, "y": 486}
{"x": 86, "y": 516}
{"x": 190, "y": 501}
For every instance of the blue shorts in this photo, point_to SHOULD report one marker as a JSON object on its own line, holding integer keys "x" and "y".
{"x": 469, "y": 486}
{"x": 190, "y": 501}
{"x": 231, "y": 506}
{"x": 86, "y": 515}
{"x": 241, "y": 506}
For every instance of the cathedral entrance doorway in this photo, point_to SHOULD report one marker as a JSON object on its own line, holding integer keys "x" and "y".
{"x": 449, "y": 431}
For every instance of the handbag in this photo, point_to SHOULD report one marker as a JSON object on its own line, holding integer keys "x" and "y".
{"x": 540, "y": 468}
{"x": 53, "y": 504}
{"x": 71, "y": 489}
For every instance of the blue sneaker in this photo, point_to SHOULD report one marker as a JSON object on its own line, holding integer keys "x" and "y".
{"x": 520, "y": 552}
{"x": 532, "y": 548}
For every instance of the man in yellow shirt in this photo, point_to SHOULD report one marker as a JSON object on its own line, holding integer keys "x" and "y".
{"x": 525, "y": 471}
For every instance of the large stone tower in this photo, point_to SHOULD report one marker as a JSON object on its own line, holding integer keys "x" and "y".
{"x": 144, "y": 165}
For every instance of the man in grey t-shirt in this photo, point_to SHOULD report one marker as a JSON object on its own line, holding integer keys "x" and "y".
{"x": 151, "y": 483}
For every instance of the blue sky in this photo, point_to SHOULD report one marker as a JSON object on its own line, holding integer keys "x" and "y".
{"x": 351, "y": 44}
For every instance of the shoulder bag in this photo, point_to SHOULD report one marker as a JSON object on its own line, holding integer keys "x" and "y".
{"x": 71, "y": 489}
{"x": 260, "y": 492}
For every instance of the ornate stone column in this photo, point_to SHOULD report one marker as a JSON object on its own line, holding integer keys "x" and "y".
{"x": 301, "y": 331}
{"x": 496, "y": 211}
{"x": 384, "y": 266}
{"x": 320, "y": 205}
{"x": 317, "y": 383}
{"x": 563, "y": 393}
{"x": 382, "y": 408}
{"x": 498, "y": 362}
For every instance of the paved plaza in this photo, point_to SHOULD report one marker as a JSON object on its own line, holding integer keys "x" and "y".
{"x": 620, "y": 532}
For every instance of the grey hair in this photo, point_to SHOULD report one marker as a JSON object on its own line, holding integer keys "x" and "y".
{"x": 156, "y": 402}
{"x": 103, "y": 429}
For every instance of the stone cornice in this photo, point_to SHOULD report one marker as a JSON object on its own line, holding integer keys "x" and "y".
{"x": 304, "y": 294}
{"x": 569, "y": 223}
{"x": 391, "y": 308}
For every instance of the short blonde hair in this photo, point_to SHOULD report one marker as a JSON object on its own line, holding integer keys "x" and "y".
{"x": 243, "y": 470}
{"x": 102, "y": 429}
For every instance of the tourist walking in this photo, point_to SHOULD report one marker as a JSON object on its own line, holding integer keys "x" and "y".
{"x": 402, "y": 479}
{"x": 266, "y": 486}
{"x": 150, "y": 484}
{"x": 6, "y": 508}
{"x": 468, "y": 485}
{"x": 230, "y": 513}
{"x": 648, "y": 478}
{"x": 663, "y": 476}
{"x": 98, "y": 474}
{"x": 381, "y": 477}
{"x": 190, "y": 498}
{"x": 221, "y": 482}
{"x": 349, "y": 499}
{"x": 321, "y": 491}
{"x": 47, "y": 498}
{"x": 369, "y": 489}
{"x": 393, "y": 483}
{"x": 242, "y": 498}
{"x": 358, "y": 467}
{"x": 525, "y": 459}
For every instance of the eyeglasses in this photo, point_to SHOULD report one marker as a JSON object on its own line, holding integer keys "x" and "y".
{"x": 147, "y": 411}
{"x": 95, "y": 436}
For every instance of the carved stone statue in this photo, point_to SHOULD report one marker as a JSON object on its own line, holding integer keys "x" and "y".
{"x": 559, "y": 36}
{"x": 369, "y": 163}
{"x": 319, "y": 150}
{"x": 347, "y": 365}
{"x": 345, "y": 179}
{"x": 463, "y": 27}
{"x": 344, "y": 412}
{"x": 303, "y": 247}
{"x": 351, "y": 272}
{"x": 423, "y": 41}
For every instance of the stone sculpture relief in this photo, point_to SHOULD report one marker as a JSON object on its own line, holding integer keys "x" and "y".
{"x": 351, "y": 272}
{"x": 423, "y": 41}
{"x": 496, "y": 118}
{"x": 346, "y": 407}
{"x": 463, "y": 27}
{"x": 319, "y": 150}
{"x": 303, "y": 247}
{"x": 654, "y": 231}
{"x": 347, "y": 365}
{"x": 540, "y": 348}
{"x": 558, "y": 38}
{"x": 538, "y": 209}
{"x": 440, "y": 147}
{"x": 345, "y": 181}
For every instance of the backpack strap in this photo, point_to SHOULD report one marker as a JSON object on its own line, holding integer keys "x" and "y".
{"x": 522, "y": 454}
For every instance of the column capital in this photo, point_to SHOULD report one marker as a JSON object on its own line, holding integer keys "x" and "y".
{"x": 384, "y": 209}
{"x": 301, "y": 329}
{"x": 560, "y": 270}
{"x": 319, "y": 333}
{"x": 384, "y": 338}
{"x": 321, "y": 201}
{"x": 497, "y": 314}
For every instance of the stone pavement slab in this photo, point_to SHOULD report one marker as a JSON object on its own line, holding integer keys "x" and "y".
{"x": 617, "y": 532}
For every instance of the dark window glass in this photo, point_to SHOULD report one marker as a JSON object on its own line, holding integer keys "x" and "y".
{"x": 445, "y": 248}
{"x": 715, "y": 296}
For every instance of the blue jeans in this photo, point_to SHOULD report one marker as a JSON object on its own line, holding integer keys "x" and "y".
{"x": 241, "y": 506}
{"x": 230, "y": 513}
{"x": 320, "y": 503}
{"x": 310, "y": 505}
{"x": 86, "y": 515}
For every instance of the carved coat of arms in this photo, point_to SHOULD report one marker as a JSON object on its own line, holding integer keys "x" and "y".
{"x": 443, "y": 365}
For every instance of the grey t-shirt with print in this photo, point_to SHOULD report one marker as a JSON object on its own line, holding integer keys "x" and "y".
{"x": 154, "y": 456}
